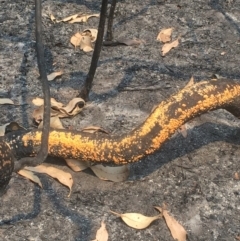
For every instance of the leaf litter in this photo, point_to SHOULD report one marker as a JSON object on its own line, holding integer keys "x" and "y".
{"x": 102, "y": 233}
{"x": 63, "y": 177}
{"x": 75, "y": 18}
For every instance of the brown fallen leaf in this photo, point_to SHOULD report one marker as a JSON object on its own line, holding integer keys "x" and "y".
{"x": 114, "y": 174}
{"x": 76, "y": 39}
{"x": 94, "y": 129}
{"x": 66, "y": 19}
{"x": 38, "y": 114}
{"x": 102, "y": 233}
{"x": 136, "y": 220}
{"x": 183, "y": 130}
{"x": 31, "y": 176}
{"x": 91, "y": 32}
{"x": 55, "y": 123}
{"x": 237, "y": 238}
{"x": 63, "y": 177}
{"x": 86, "y": 44}
{"x": 165, "y": 35}
{"x": 168, "y": 46}
{"x": 83, "y": 18}
{"x": 58, "y": 109}
{"x": 190, "y": 83}
{"x": 52, "y": 18}
{"x": 73, "y": 107}
{"x": 130, "y": 42}
{"x": 236, "y": 176}
{"x": 53, "y": 75}
{"x": 6, "y": 101}
{"x": 77, "y": 165}
{"x": 176, "y": 229}
{"x": 39, "y": 101}
{"x": 3, "y": 128}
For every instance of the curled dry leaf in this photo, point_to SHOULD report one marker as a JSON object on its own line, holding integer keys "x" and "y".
{"x": 114, "y": 174}
{"x": 39, "y": 101}
{"x": 76, "y": 39}
{"x": 77, "y": 165}
{"x": 94, "y": 129}
{"x": 6, "y": 101}
{"x": 53, "y": 75}
{"x": 102, "y": 233}
{"x": 167, "y": 47}
{"x": 63, "y": 177}
{"x": 38, "y": 114}
{"x": 130, "y": 42}
{"x": 3, "y": 128}
{"x": 136, "y": 220}
{"x": 71, "y": 17}
{"x": 190, "y": 83}
{"x": 92, "y": 33}
{"x": 73, "y": 107}
{"x": 176, "y": 229}
{"x": 236, "y": 176}
{"x": 86, "y": 44}
{"x": 31, "y": 176}
{"x": 55, "y": 123}
{"x": 165, "y": 35}
{"x": 52, "y": 17}
{"x": 83, "y": 18}
{"x": 183, "y": 130}
{"x": 57, "y": 108}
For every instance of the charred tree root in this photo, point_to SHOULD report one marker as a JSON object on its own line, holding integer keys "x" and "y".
{"x": 147, "y": 138}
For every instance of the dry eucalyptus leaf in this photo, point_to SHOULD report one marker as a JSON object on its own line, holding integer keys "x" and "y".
{"x": 236, "y": 176}
{"x": 114, "y": 174}
{"x": 94, "y": 129}
{"x": 38, "y": 114}
{"x": 176, "y": 229}
{"x": 52, "y": 17}
{"x": 73, "y": 107}
{"x": 77, "y": 165}
{"x": 71, "y": 17}
{"x": 92, "y": 32}
{"x": 83, "y": 18}
{"x": 136, "y": 220}
{"x": 53, "y": 75}
{"x": 183, "y": 130}
{"x": 190, "y": 83}
{"x": 39, "y": 102}
{"x": 3, "y": 128}
{"x": 102, "y": 233}
{"x": 6, "y": 101}
{"x": 31, "y": 176}
{"x": 76, "y": 39}
{"x": 130, "y": 42}
{"x": 165, "y": 35}
{"x": 63, "y": 177}
{"x": 55, "y": 123}
{"x": 167, "y": 47}
{"x": 86, "y": 44}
